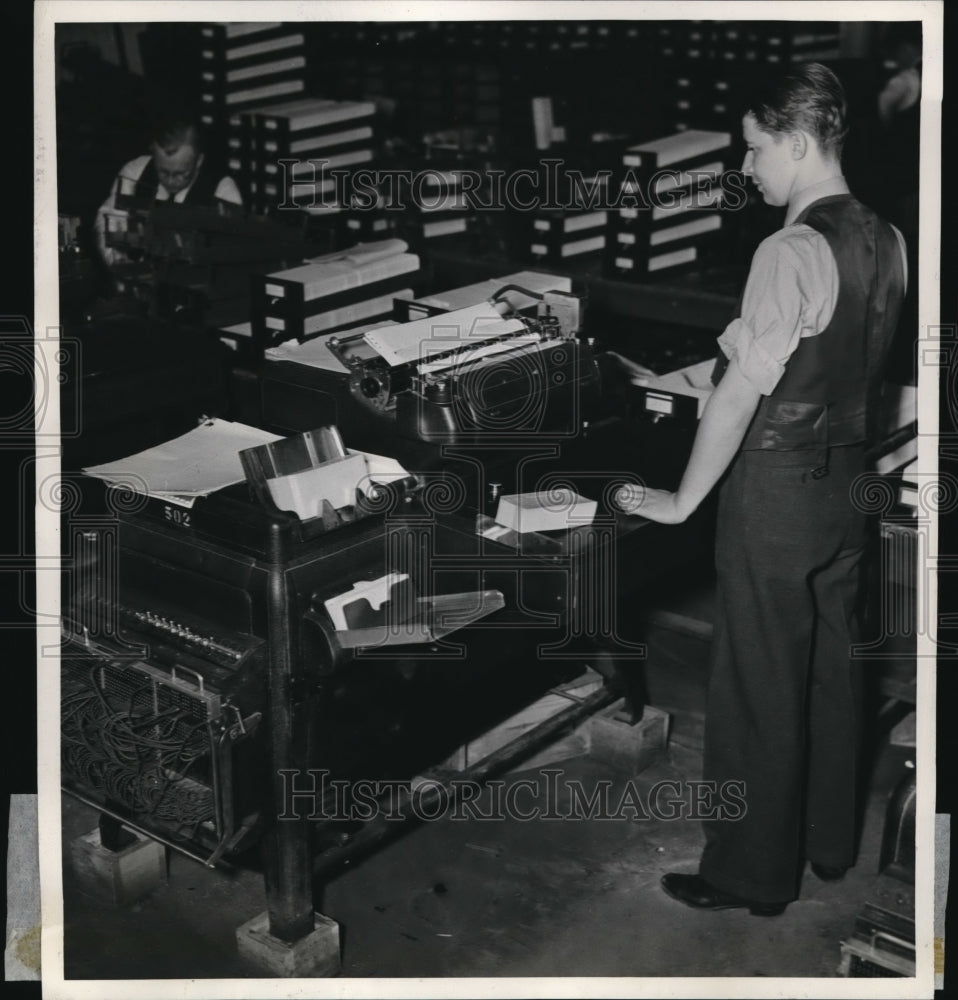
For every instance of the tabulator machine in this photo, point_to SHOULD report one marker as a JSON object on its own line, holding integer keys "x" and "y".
{"x": 320, "y": 608}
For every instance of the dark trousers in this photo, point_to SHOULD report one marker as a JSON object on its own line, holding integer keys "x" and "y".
{"x": 783, "y": 706}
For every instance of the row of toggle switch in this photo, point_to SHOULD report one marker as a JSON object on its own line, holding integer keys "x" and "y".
{"x": 173, "y": 627}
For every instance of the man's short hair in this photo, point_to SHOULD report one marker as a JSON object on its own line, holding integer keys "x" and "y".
{"x": 810, "y": 99}
{"x": 169, "y": 132}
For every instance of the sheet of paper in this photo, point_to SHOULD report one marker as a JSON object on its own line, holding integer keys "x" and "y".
{"x": 469, "y": 354}
{"x": 411, "y": 342}
{"x": 197, "y": 463}
{"x": 315, "y": 353}
{"x": 382, "y": 468}
{"x": 364, "y": 252}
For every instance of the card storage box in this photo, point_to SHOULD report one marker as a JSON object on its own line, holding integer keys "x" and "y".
{"x": 426, "y": 228}
{"x": 301, "y": 126}
{"x": 682, "y": 215}
{"x": 678, "y": 151}
{"x": 242, "y": 161}
{"x": 563, "y": 235}
{"x": 646, "y": 241}
{"x": 631, "y": 264}
{"x": 701, "y": 110}
{"x": 360, "y": 225}
{"x": 662, "y": 173}
{"x": 230, "y": 66}
{"x": 288, "y": 155}
{"x": 242, "y": 42}
{"x": 670, "y": 214}
{"x": 333, "y": 292}
{"x": 680, "y": 395}
{"x": 218, "y": 100}
{"x": 330, "y": 313}
{"x": 438, "y": 207}
{"x": 245, "y": 64}
{"x": 712, "y": 66}
{"x": 808, "y": 41}
{"x": 310, "y": 184}
{"x": 714, "y": 105}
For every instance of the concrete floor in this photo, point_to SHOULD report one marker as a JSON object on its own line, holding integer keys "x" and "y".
{"x": 500, "y": 898}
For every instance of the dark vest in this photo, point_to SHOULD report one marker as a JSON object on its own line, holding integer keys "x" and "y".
{"x": 201, "y": 193}
{"x": 830, "y": 392}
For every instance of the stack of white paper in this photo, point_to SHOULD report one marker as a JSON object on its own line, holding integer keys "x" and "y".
{"x": 553, "y": 511}
{"x": 195, "y": 464}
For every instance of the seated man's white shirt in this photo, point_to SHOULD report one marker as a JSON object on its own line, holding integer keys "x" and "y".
{"x": 111, "y": 219}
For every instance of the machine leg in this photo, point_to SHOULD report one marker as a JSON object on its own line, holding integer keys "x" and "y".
{"x": 622, "y": 742}
{"x": 625, "y": 677}
{"x": 113, "y": 835}
{"x": 289, "y": 939}
{"x": 289, "y": 889}
{"x": 315, "y": 955}
{"x": 123, "y": 875}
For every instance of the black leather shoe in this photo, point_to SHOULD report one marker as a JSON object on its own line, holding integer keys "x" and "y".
{"x": 695, "y": 891}
{"x": 828, "y": 873}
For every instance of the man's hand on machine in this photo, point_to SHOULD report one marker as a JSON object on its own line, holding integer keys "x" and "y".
{"x": 655, "y": 505}
{"x": 637, "y": 374}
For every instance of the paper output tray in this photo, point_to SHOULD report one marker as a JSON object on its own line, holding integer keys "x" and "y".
{"x": 432, "y": 618}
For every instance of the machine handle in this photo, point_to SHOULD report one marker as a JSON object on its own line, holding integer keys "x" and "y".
{"x": 189, "y": 670}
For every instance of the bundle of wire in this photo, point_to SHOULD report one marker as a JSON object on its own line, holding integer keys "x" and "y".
{"x": 133, "y": 750}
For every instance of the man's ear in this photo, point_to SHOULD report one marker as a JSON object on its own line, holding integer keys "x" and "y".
{"x": 798, "y": 145}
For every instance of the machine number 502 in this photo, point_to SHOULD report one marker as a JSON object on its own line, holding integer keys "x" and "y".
{"x": 176, "y": 516}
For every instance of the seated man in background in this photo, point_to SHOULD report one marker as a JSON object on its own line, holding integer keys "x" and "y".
{"x": 174, "y": 170}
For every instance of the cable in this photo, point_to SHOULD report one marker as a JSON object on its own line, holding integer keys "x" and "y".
{"x": 137, "y": 755}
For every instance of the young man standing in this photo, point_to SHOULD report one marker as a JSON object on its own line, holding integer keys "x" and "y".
{"x": 788, "y": 425}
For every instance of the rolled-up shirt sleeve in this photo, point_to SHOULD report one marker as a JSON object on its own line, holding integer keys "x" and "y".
{"x": 791, "y": 292}
{"x": 227, "y": 190}
{"x": 109, "y": 218}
